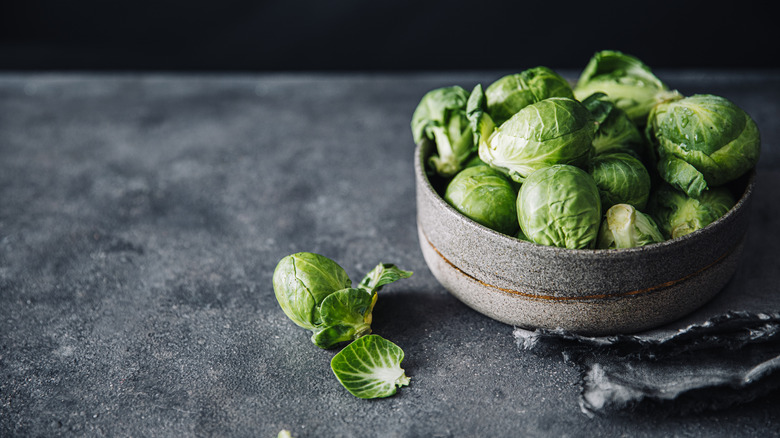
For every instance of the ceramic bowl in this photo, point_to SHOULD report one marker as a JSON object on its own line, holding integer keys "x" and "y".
{"x": 593, "y": 292}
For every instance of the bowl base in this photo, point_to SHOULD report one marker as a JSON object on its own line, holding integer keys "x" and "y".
{"x": 594, "y": 316}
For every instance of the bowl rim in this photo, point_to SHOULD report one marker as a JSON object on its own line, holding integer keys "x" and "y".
{"x": 669, "y": 244}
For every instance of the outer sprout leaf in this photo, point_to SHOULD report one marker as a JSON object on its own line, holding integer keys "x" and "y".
{"x": 482, "y": 125}
{"x": 346, "y": 315}
{"x": 682, "y": 175}
{"x": 382, "y": 274}
{"x": 345, "y": 306}
{"x": 330, "y": 336}
{"x": 370, "y": 367}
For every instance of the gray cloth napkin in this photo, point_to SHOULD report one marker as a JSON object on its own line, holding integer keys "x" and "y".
{"x": 727, "y": 352}
{"x": 729, "y": 359}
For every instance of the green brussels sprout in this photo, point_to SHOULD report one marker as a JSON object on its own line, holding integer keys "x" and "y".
{"x": 677, "y": 214}
{"x": 703, "y": 141}
{"x": 486, "y": 196}
{"x": 621, "y": 179}
{"x": 301, "y": 281}
{"x": 316, "y": 294}
{"x": 560, "y": 206}
{"x": 556, "y": 130}
{"x": 511, "y": 93}
{"x": 616, "y": 132}
{"x": 627, "y": 82}
{"x": 626, "y": 227}
{"x": 441, "y": 116}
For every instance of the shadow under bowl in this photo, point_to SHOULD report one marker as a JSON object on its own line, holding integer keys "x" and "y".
{"x": 593, "y": 292}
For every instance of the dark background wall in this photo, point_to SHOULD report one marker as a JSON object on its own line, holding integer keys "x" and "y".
{"x": 279, "y": 35}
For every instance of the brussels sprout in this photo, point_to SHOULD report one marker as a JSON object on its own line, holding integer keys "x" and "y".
{"x": 301, "y": 281}
{"x": 703, "y": 141}
{"x": 316, "y": 294}
{"x": 486, "y": 196}
{"x": 626, "y": 227}
{"x": 616, "y": 132}
{"x": 511, "y": 93}
{"x": 370, "y": 367}
{"x": 560, "y": 206}
{"x": 627, "y": 82}
{"x": 678, "y": 214}
{"x": 556, "y": 130}
{"x": 621, "y": 179}
{"x": 441, "y": 116}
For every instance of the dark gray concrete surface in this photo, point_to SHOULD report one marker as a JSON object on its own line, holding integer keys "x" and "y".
{"x": 141, "y": 217}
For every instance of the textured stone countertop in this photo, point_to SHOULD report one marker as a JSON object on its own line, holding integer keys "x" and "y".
{"x": 141, "y": 218}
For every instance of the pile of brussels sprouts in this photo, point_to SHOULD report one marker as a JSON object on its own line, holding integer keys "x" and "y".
{"x": 617, "y": 161}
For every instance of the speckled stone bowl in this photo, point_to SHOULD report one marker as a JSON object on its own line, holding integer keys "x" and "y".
{"x": 595, "y": 292}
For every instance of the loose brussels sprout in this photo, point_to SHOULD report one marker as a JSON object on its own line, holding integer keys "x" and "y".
{"x": 560, "y": 206}
{"x": 441, "y": 116}
{"x": 627, "y": 82}
{"x": 678, "y": 214}
{"x": 621, "y": 179}
{"x": 316, "y": 294}
{"x": 626, "y": 227}
{"x": 703, "y": 141}
{"x": 486, "y": 196}
{"x": 511, "y": 93}
{"x": 616, "y": 132}
{"x": 556, "y": 130}
{"x": 301, "y": 281}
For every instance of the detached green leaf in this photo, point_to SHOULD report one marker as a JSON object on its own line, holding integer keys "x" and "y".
{"x": 382, "y": 274}
{"x": 370, "y": 367}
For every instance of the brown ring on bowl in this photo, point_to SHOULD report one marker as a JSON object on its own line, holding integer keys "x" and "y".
{"x": 584, "y": 297}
